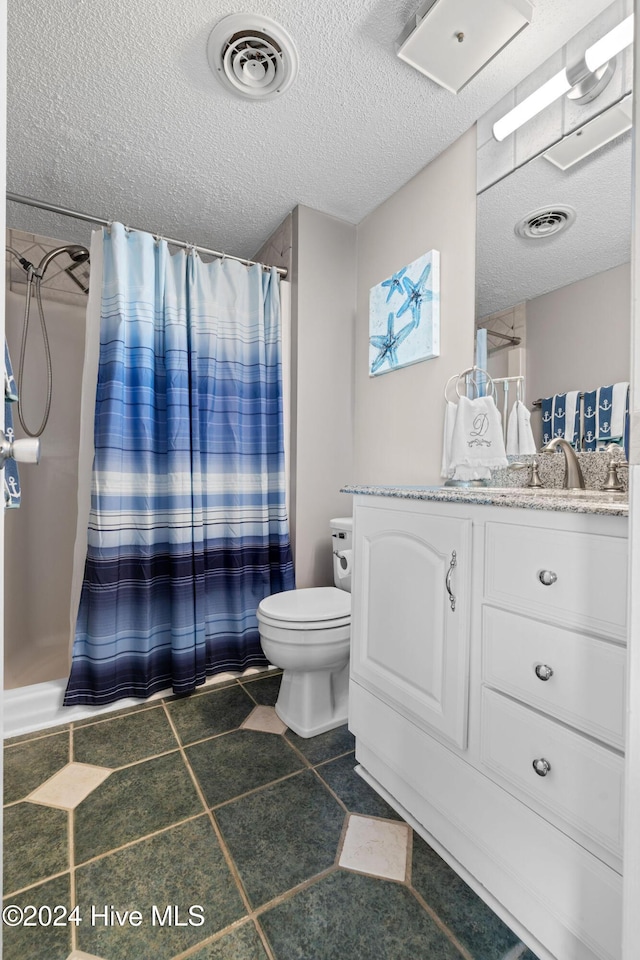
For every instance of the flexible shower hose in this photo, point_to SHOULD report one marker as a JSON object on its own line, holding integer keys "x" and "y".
{"x": 31, "y": 273}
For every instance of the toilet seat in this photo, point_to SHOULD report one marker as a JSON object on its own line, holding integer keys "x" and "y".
{"x": 311, "y": 608}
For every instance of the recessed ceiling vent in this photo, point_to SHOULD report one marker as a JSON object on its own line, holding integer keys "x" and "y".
{"x": 252, "y": 56}
{"x": 545, "y": 222}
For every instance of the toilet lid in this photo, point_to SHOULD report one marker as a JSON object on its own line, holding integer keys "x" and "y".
{"x": 312, "y": 603}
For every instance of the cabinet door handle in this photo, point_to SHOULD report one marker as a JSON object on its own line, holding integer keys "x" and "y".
{"x": 544, "y": 672}
{"x": 447, "y": 581}
{"x": 547, "y": 577}
{"x": 541, "y": 767}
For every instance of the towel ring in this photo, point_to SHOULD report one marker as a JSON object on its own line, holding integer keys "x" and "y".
{"x": 460, "y": 377}
{"x": 471, "y": 371}
{"x": 446, "y": 387}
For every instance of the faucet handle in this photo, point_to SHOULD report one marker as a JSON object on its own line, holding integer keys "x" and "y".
{"x": 613, "y": 480}
{"x": 535, "y": 480}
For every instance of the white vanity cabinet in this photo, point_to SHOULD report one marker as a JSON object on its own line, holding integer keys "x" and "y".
{"x": 412, "y": 595}
{"x": 495, "y": 723}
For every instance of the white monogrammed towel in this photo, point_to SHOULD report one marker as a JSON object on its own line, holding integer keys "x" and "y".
{"x": 477, "y": 436}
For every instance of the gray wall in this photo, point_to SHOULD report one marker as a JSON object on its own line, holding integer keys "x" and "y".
{"x": 578, "y": 336}
{"x": 40, "y": 535}
{"x": 322, "y": 309}
{"x": 398, "y": 416}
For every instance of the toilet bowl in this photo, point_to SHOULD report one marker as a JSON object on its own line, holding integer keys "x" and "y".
{"x": 307, "y": 633}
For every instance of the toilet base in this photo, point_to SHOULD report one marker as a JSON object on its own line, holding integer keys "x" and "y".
{"x": 312, "y": 702}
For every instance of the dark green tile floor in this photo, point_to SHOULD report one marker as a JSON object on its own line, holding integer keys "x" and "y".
{"x": 242, "y": 826}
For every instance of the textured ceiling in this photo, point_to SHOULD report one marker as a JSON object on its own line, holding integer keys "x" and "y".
{"x": 113, "y": 111}
{"x": 510, "y": 269}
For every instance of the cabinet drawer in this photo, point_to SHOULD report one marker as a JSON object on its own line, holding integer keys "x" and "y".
{"x": 588, "y": 574}
{"x": 587, "y": 686}
{"x": 584, "y": 785}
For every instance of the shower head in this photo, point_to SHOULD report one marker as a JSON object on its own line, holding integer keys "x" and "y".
{"x": 78, "y": 254}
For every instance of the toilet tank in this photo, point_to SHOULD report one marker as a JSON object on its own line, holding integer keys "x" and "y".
{"x": 342, "y": 547}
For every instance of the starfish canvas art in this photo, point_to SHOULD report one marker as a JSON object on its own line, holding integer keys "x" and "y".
{"x": 404, "y": 316}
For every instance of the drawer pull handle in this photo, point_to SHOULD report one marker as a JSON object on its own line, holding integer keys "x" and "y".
{"x": 541, "y": 767}
{"x": 544, "y": 672}
{"x": 547, "y": 577}
{"x": 447, "y": 582}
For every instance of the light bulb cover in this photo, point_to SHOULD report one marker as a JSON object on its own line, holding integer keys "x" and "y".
{"x": 543, "y": 97}
{"x": 596, "y": 56}
{"x": 611, "y": 44}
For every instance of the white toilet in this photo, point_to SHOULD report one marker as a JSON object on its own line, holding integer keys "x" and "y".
{"x": 306, "y": 633}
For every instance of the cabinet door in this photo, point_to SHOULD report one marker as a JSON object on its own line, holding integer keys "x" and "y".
{"x": 410, "y": 615}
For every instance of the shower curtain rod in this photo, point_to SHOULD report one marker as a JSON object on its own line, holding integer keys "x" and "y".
{"x": 77, "y": 215}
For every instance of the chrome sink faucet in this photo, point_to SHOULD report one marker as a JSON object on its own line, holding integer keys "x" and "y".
{"x": 573, "y": 479}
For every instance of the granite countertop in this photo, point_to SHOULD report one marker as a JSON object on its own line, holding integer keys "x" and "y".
{"x": 566, "y": 501}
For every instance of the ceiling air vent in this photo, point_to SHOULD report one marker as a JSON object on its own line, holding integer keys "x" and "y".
{"x": 252, "y": 56}
{"x": 545, "y": 222}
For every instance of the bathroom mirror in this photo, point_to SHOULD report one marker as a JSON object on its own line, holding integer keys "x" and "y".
{"x": 574, "y": 286}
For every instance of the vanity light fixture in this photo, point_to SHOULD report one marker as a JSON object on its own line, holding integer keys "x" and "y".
{"x": 585, "y": 80}
{"x": 450, "y": 41}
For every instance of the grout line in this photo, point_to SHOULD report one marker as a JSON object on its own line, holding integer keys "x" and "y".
{"x": 271, "y": 783}
{"x": 288, "y": 894}
{"x": 409, "y": 873}
{"x": 252, "y": 914}
{"x": 332, "y": 792}
{"x": 216, "y": 937}
{"x": 440, "y": 923}
{"x": 72, "y": 878}
{"x": 343, "y": 835}
{"x": 339, "y": 756}
{"x": 32, "y": 886}
{"x": 298, "y": 752}
{"x": 115, "y": 715}
{"x": 133, "y": 843}
{"x": 214, "y": 736}
{"x": 14, "y": 803}
{"x": 265, "y": 940}
{"x": 216, "y": 829}
{"x": 72, "y": 852}
{"x": 137, "y": 763}
{"x": 37, "y": 735}
{"x": 250, "y": 695}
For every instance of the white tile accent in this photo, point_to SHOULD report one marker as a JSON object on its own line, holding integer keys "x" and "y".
{"x": 70, "y": 786}
{"x": 377, "y": 847}
{"x": 264, "y": 719}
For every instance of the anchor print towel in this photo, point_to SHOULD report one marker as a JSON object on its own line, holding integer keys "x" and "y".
{"x": 11, "y": 476}
{"x": 561, "y": 417}
{"x": 606, "y": 416}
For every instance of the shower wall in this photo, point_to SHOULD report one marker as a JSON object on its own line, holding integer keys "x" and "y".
{"x": 39, "y": 537}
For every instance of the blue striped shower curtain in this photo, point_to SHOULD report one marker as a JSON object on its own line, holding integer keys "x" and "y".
{"x": 188, "y": 528}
